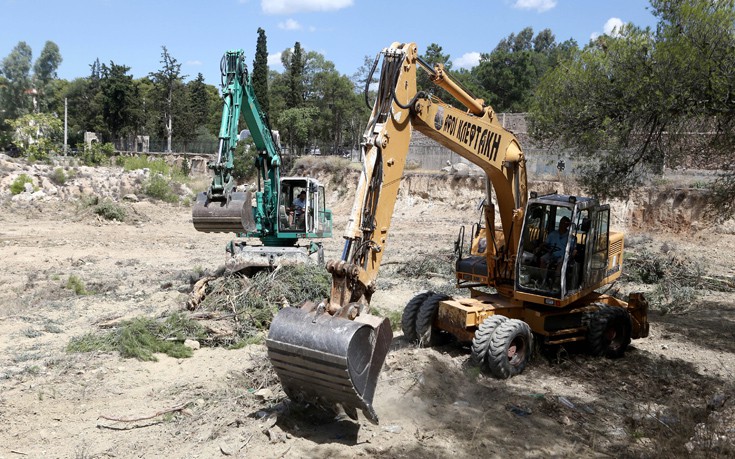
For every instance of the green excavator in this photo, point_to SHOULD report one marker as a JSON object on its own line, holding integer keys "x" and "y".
{"x": 281, "y": 212}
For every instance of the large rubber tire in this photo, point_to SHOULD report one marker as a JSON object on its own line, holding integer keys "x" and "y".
{"x": 481, "y": 341}
{"x": 410, "y": 311}
{"x": 510, "y": 348}
{"x": 427, "y": 335}
{"x": 608, "y": 331}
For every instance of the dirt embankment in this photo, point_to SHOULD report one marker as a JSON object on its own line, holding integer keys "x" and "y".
{"x": 671, "y": 396}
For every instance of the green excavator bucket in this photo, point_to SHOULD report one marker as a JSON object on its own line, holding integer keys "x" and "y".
{"x": 233, "y": 215}
{"x": 328, "y": 360}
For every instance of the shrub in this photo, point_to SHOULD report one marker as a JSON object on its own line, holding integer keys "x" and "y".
{"x": 96, "y": 153}
{"x": 19, "y": 184}
{"x": 58, "y": 176}
{"x": 110, "y": 211}
{"x": 160, "y": 188}
{"x": 76, "y": 284}
{"x": 156, "y": 166}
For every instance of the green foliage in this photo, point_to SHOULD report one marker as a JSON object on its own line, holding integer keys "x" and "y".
{"x": 244, "y": 167}
{"x": 58, "y": 176}
{"x": 120, "y": 100}
{"x": 256, "y": 300}
{"x": 156, "y": 165}
{"x": 19, "y": 184}
{"x": 296, "y": 124}
{"x": 631, "y": 101}
{"x": 76, "y": 284}
{"x": 16, "y": 69}
{"x": 260, "y": 72}
{"x": 110, "y": 210}
{"x": 159, "y": 187}
{"x": 394, "y": 316}
{"x": 37, "y": 134}
{"x": 96, "y": 153}
{"x": 142, "y": 337}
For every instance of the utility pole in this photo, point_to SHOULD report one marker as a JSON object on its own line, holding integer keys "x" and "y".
{"x": 65, "y": 124}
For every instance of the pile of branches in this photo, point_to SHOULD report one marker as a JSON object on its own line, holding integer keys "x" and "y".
{"x": 238, "y": 310}
{"x": 678, "y": 280}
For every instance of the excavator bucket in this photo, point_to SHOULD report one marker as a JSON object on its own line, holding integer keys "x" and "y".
{"x": 328, "y": 360}
{"x": 235, "y": 215}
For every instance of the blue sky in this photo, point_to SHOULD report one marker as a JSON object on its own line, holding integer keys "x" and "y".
{"x": 196, "y": 33}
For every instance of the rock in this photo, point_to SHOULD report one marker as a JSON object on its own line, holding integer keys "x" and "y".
{"x": 264, "y": 394}
{"x": 192, "y": 344}
{"x": 226, "y": 449}
{"x": 131, "y": 198}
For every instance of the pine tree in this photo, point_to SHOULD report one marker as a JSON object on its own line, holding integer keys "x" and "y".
{"x": 295, "y": 96}
{"x": 260, "y": 72}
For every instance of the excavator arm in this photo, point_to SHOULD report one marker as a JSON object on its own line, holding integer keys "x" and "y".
{"x": 331, "y": 353}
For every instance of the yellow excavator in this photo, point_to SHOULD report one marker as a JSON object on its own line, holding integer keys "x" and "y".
{"x": 534, "y": 276}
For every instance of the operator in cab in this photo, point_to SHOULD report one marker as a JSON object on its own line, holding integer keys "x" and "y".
{"x": 556, "y": 243}
{"x": 299, "y": 207}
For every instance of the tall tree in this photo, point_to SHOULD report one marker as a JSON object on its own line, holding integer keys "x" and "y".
{"x": 120, "y": 101}
{"x": 260, "y": 72}
{"x": 14, "y": 98}
{"x": 295, "y": 78}
{"x": 44, "y": 73}
{"x": 512, "y": 70}
{"x": 169, "y": 83}
{"x": 199, "y": 100}
{"x": 632, "y": 101}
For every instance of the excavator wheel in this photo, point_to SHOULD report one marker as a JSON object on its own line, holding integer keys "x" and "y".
{"x": 481, "y": 341}
{"x": 428, "y": 336}
{"x": 410, "y": 312}
{"x": 609, "y": 330}
{"x": 233, "y": 215}
{"x": 510, "y": 348}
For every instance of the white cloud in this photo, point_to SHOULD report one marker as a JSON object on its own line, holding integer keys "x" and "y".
{"x": 194, "y": 63}
{"x": 302, "y": 6}
{"x": 290, "y": 24}
{"x": 274, "y": 60}
{"x": 538, "y": 5}
{"x": 467, "y": 61}
{"x": 612, "y": 28}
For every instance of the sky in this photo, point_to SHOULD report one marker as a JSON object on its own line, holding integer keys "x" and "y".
{"x": 197, "y": 33}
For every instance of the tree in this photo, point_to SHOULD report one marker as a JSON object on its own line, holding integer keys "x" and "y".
{"x": 260, "y": 72}
{"x": 36, "y": 134}
{"x": 16, "y": 69}
{"x": 295, "y": 128}
{"x": 510, "y": 73}
{"x": 295, "y": 78}
{"x": 120, "y": 101}
{"x": 433, "y": 55}
{"x": 168, "y": 82}
{"x": 44, "y": 73}
{"x": 631, "y": 102}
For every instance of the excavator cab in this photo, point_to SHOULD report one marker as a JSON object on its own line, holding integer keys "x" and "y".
{"x": 302, "y": 207}
{"x": 563, "y": 247}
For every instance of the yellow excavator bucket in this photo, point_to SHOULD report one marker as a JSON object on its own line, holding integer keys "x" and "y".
{"x": 328, "y": 360}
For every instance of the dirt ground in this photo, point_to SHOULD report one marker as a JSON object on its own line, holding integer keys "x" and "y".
{"x": 672, "y": 395}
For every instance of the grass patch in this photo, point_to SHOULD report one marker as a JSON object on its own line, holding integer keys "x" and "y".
{"x": 142, "y": 337}
{"x": 76, "y": 284}
{"x": 156, "y": 166}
